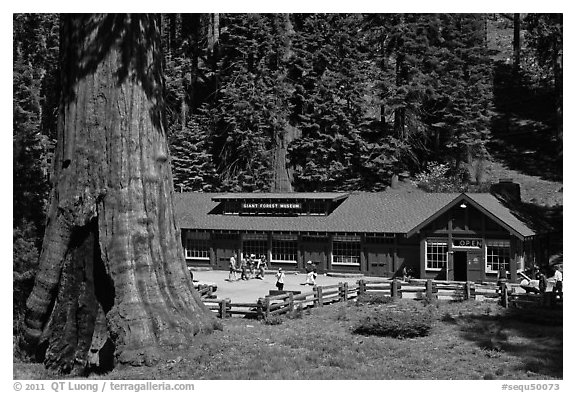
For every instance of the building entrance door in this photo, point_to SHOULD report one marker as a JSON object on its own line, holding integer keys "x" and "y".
{"x": 460, "y": 266}
{"x": 224, "y": 250}
{"x": 316, "y": 251}
{"x": 379, "y": 261}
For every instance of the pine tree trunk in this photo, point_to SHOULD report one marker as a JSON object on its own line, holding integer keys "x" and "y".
{"x": 558, "y": 81}
{"x": 282, "y": 177}
{"x": 516, "y": 42}
{"x": 111, "y": 243}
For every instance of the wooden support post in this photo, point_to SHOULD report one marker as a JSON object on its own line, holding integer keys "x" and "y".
{"x": 319, "y": 295}
{"x": 290, "y": 301}
{"x": 260, "y": 308}
{"x": 340, "y": 292}
{"x": 504, "y": 294}
{"x": 223, "y": 307}
{"x": 467, "y": 285}
{"x": 266, "y": 308}
{"x": 345, "y": 288}
{"x": 361, "y": 287}
{"x": 394, "y": 289}
{"x": 429, "y": 294}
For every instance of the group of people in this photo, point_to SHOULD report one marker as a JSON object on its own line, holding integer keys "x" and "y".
{"x": 311, "y": 274}
{"x": 539, "y": 282}
{"x": 251, "y": 267}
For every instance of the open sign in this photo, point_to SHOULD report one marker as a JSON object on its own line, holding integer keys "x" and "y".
{"x": 467, "y": 243}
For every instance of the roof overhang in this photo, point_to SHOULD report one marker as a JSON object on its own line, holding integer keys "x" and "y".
{"x": 257, "y": 196}
{"x": 459, "y": 199}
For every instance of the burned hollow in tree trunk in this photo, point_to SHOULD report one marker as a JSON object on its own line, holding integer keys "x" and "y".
{"x": 112, "y": 275}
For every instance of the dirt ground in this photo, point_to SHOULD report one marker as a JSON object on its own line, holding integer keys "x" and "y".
{"x": 251, "y": 290}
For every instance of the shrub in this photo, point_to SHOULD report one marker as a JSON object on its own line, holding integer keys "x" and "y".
{"x": 396, "y": 324}
{"x": 370, "y": 298}
{"x": 297, "y": 313}
{"x": 273, "y": 320}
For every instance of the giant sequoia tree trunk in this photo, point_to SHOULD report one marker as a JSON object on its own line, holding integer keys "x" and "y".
{"x": 112, "y": 272}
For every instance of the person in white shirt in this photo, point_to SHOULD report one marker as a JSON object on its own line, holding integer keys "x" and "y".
{"x": 232, "y": 267}
{"x": 558, "y": 278}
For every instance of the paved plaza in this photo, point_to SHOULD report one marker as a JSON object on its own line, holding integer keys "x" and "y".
{"x": 251, "y": 290}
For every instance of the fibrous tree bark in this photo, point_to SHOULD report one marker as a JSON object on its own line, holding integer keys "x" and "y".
{"x": 112, "y": 272}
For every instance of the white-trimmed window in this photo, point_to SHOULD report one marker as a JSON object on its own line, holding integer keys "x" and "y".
{"x": 436, "y": 254}
{"x": 197, "y": 245}
{"x": 254, "y": 243}
{"x": 497, "y": 255}
{"x": 284, "y": 249}
{"x": 346, "y": 250}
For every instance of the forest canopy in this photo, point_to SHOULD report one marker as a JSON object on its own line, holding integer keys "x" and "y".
{"x": 313, "y": 102}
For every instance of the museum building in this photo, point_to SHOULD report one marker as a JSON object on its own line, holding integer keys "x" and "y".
{"x": 454, "y": 236}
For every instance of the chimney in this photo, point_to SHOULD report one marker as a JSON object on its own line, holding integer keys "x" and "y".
{"x": 394, "y": 182}
{"x": 506, "y": 189}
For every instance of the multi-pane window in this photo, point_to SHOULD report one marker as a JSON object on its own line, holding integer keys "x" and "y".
{"x": 197, "y": 245}
{"x": 497, "y": 255}
{"x": 284, "y": 249}
{"x": 436, "y": 254}
{"x": 346, "y": 250}
{"x": 317, "y": 207}
{"x": 256, "y": 244}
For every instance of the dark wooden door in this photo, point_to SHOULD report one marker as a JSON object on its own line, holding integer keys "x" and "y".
{"x": 316, "y": 252}
{"x": 475, "y": 266}
{"x": 379, "y": 261}
{"x": 224, "y": 249}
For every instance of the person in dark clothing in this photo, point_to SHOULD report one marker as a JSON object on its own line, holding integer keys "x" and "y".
{"x": 243, "y": 276}
{"x": 280, "y": 279}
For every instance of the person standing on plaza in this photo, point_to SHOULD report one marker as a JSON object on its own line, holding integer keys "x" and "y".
{"x": 502, "y": 277}
{"x": 262, "y": 265}
{"x": 558, "y": 277}
{"x": 251, "y": 263}
{"x": 280, "y": 279}
{"x": 232, "y": 267}
{"x": 542, "y": 282}
{"x": 243, "y": 269}
{"x": 309, "y": 273}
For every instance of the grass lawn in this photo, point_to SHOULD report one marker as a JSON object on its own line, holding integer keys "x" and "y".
{"x": 468, "y": 340}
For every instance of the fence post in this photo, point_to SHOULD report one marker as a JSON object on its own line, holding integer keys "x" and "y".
{"x": 473, "y": 290}
{"x": 320, "y": 298}
{"x": 345, "y": 291}
{"x": 266, "y": 308}
{"x": 361, "y": 287}
{"x": 429, "y": 294}
{"x": 394, "y": 289}
{"x": 290, "y": 301}
{"x": 340, "y": 292}
{"x": 467, "y": 290}
{"x": 223, "y": 307}
{"x": 504, "y": 294}
{"x": 259, "y": 308}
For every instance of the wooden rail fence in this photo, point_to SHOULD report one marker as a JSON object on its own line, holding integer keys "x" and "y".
{"x": 511, "y": 298}
{"x": 284, "y": 303}
{"x": 205, "y": 291}
{"x": 421, "y": 289}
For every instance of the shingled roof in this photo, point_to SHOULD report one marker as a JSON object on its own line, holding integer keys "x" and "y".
{"x": 360, "y": 212}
